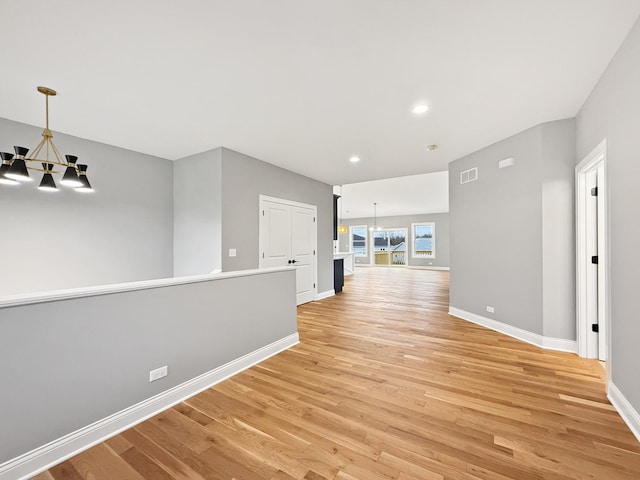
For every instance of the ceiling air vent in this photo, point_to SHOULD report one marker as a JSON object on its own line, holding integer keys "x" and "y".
{"x": 469, "y": 175}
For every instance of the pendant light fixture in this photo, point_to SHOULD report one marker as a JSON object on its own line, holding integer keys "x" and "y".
{"x": 82, "y": 176}
{"x": 375, "y": 218}
{"x": 15, "y": 169}
{"x": 7, "y": 159}
{"x": 47, "y": 184}
{"x": 341, "y": 228}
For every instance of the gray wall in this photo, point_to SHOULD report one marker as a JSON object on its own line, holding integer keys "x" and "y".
{"x": 244, "y": 179}
{"x": 88, "y": 358}
{"x": 404, "y": 221}
{"x": 122, "y": 232}
{"x": 197, "y": 210}
{"x": 497, "y": 230}
{"x": 558, "y": 229}
{"x": 612, "y": 112}
{"x": 148, "y": 217}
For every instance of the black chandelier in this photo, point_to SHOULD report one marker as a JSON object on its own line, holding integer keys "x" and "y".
{"x": 15, "y": 168}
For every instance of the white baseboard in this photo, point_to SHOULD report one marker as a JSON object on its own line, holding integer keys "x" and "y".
{"x": 46, "y": 456}
{"x": 427, "y": 267}
{"x": 549, "y": 343}
{"x": 414, "y": 267}
{"x": 629, "y": 414}
{"x": 560, "y": 344}
{"x": 323, "y": 295}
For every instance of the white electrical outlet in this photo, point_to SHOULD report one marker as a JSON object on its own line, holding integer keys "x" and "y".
{"x": 232, "y": 252}
{"x": 490, "y": 309}
{"x": 158, "y": 373}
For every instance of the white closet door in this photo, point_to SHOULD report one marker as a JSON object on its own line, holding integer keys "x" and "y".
{"x": 275, "y": 231}
{"x": 288, "y": 238}
{"x": 303, "y": 251}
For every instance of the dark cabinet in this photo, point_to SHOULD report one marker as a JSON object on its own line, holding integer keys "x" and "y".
{"x": 335, "y": 216}
{"x": 338, "y": 275}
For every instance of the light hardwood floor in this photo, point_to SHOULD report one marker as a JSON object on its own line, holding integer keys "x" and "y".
{"x": 384, "y": 385}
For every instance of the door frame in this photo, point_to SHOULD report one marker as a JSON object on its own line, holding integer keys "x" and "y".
{"x": 291, "y": 203}
{"x": 583, "y": 257}
{"x": 372, "y": 261}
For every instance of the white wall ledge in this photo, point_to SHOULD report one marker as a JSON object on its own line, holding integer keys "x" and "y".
{"x": 55, "y": 295}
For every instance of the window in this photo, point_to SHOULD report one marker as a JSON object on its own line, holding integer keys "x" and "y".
{"x": 358, "y": 239}
{"x": 423, "y": 239}
{"x": 389, "y": 246}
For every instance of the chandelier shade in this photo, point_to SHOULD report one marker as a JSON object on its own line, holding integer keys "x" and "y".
{"x": 70, "y": 177}
{"x": 7, "y": 159}
{"x": 15, "y": 170}
{"x": 47, "y": 183}
{"x": 18, "y": 169}
{"x": 84, "y": 180}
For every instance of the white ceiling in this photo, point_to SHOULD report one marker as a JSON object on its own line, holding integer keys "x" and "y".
{"x": 306, "y": 84}
{"x": 415, "y": 194}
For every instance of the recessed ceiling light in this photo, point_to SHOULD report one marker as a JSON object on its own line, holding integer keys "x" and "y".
{"x": 420, "y": 108}
{"x": 432, "y": 148}
{"x": 354, "y": 159}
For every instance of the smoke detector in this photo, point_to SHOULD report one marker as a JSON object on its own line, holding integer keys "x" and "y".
{"x": 432, "y": 148}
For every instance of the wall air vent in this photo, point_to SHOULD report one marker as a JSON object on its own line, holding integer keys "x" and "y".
{"x": 469, "y": 175}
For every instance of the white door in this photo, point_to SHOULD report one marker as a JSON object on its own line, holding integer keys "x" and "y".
{"x": 602, "y": 331}
{"x": 591, "y": 257}
{"x": 595, "y": 241}
{"x": 303, "y": 249}
{"x": 288, "y": 238}
{"x": 275, "y": 230}
{"x": 592, "y": 268}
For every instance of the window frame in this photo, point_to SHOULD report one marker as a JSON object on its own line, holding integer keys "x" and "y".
{"x": 372, "y": 251}
{"x": 433, "y": 240}
{"x": 366, "y": 240}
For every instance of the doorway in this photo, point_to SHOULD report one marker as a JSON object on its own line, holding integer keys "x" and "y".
{"x": 288, "y": 238}
{"x": 389, "y": 247}
{"x": 591, "y": 256}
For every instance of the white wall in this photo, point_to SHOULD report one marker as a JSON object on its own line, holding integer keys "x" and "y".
{"x": 122, "y": 232}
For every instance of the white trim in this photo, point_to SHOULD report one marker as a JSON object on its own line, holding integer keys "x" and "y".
{"x": 560, "y": 344}
{"x": 323, "y": 295}
{"x": 366, "y": 240}
{"x": 629, "y": 414}
{"x": 46, "y": 456}
{"x": 284, "y": 201}
{"x": 413, "y": 239}
{"x": 427, "y": 267}
{"x": 54, "y": 295}
{"x": 548, "y": 343}
{"x": 372, "y": 246}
